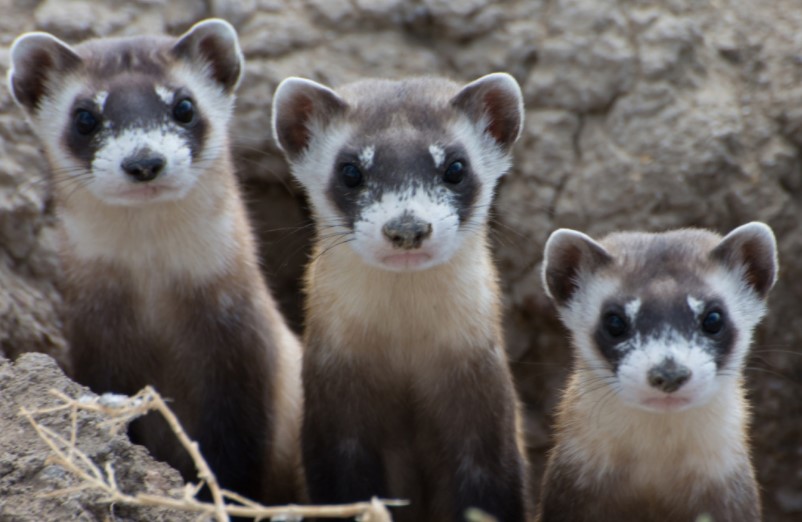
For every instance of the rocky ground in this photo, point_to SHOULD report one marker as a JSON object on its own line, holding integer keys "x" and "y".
{"x": 639, "y": 115}
{"x": 27, "y": 477}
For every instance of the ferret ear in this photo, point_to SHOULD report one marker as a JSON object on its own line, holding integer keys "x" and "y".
{"x": 298, "y": 104}
{"x": 750, "y": 249}
{"x": 35, "y": 59}
{"x": 213, "y": 43}
{"x": 494, "y": 102}
{"x": 568, "y": 255}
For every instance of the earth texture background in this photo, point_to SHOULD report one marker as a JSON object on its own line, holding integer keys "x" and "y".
{"x": 639, "y": 114}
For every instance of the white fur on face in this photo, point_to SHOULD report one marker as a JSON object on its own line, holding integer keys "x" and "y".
{"x": 435, "y": 209}
{"x": 108, "y": 182}
{"x": 188, "y": 236}
{"x": 216, "y": 106}
{"x": 696, "y": 306}
{"x": 314, "y": 168}
{"x": 582, "y": 314}
{"x": 165, "y": 94}
{"x": 631, "y": 382}
{"x": 111, "y": 184}
{"x": 661, "y": 446}
{"x": 645, "y": 354}
{"x": 54, "y": 115}
{"x": 100, "y": 99}
{"x": 631, "y": 309}
{"x": 366, "y": 156}
{"x": 745, "y": 309}
{"x": 488, "y": 163}
{"x": 438, "y": 155}
{"x": 698, "y": 431}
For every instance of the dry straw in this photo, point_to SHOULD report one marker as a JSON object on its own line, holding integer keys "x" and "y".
{"x": 118, "y": 411}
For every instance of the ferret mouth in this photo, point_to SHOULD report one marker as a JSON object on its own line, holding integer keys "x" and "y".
{"x": 145, "y": 194}
{"x": 406, "y": 261}
{"x": 667, "y": 403}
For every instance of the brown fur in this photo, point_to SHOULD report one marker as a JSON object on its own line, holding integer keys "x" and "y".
{"x": 613, "y": 460}
{"x": 419, "y": 402}
{"x": 617, "y": 496}
{"x": 166, "y": 292}
{"x": 407, "y": 388}
{"x": 212, "y": 345}
{"x": 733, "y": 501}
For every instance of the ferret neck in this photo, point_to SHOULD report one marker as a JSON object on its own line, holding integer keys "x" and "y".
{"x": 198, "y": 236}
{"x": 453, "y": 304}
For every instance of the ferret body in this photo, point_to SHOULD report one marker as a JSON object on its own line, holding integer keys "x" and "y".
{"x": 161, "y": 280}
{"x": 653, "y": 423}
{"x": 408, "y": 393}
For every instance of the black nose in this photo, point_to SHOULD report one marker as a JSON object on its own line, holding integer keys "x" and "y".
{"x": 407, "y": 231}
{"x": 669, "y": 376}
{"x": 144, "y": 168}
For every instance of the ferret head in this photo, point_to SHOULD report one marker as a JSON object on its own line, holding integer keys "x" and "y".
{"x": 403, "y": 170}
{"x": 661, "y": 318}
{"x": 129, "y": 120}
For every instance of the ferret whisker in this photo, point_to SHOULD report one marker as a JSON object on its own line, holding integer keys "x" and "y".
{"x": 535, "y": 363}
{"x": 507, "y": 228}
{"x": 772, "y": 372}
{"x": 341, "y": 242}
{"x": 774, "y": 350}
{"x": 297, "y": 228}
{"x": 78, "y": 184}
{"x": 598, "y": 406}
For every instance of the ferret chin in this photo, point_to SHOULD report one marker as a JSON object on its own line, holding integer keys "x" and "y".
{"x": 161, "y": 280}
{"x": 653, "y": 423}
{"x": 408, "y": 393}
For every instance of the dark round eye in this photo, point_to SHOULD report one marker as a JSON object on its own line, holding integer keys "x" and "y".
{"x": 351, "y": 175}
{"x": 85, "y": 122}
{"x": 713, "y": 322}
{"x": 454, "y": 173}
{"x": 614, "y": 325}
{"x": 184, "y": 111}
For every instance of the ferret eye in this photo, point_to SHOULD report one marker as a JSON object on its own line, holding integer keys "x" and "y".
{"x": 351, "y": 175}
{"x": 713, "y": 322}
{"x": 85, "y": 122}
{"x": 454, "y": 173}
{"x": 614, "y": 325}
{"x": 184, "y": 111}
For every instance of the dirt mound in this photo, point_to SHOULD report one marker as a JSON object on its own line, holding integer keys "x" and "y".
{"x": 27, "y": 476}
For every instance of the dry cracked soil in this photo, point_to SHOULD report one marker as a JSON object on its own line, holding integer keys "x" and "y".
{"x": 639, "y": 114}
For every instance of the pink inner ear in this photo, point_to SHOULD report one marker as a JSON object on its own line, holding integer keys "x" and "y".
{"x": 499, "y": 125}
{"x": 30, "y": 79}
{"x": 298, "y": 135}
{"x": 215, "y": 49}
{"x": 563, "y": 277}
{"x": 759, "y": 275}
{"x": 754, "y": 254}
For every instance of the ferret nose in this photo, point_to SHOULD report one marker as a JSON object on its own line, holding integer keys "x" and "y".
{"x": 669, "y": 376}
{"x": 144, "y": 168}
{"x": 407, "y": 231}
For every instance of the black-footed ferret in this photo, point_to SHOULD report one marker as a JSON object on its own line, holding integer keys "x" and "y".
{"x": 408, "y": 393}
{"x": 161, "y": 279}
{"x": 653, "y": 424}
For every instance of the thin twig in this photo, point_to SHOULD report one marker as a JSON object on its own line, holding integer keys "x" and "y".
{"x": 118, "y": 411}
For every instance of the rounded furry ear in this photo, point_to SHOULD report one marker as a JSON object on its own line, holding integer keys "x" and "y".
{"x": 495, "y": 102}
{"x": 297, "y": 105}
{"x": 35, "y": 59}
{"x": 752, "y": 250}
{"x": 569, "y": 254}
{"x": 214, "y": 44}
